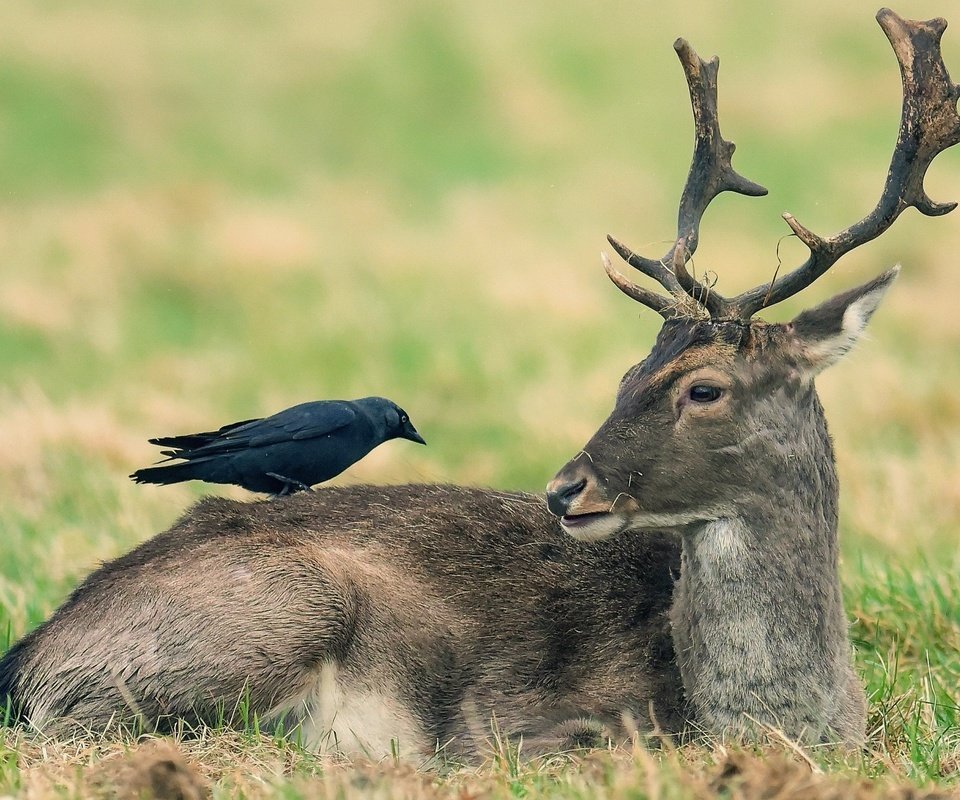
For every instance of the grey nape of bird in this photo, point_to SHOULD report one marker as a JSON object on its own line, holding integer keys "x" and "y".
{"x": 288, "y": 452}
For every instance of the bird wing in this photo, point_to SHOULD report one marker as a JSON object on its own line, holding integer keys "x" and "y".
{"x": 306, "y": 421}
{"x": 309, "y": 421}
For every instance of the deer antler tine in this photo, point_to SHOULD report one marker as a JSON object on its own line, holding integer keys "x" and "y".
{"x": 664, "y": 307}
{"x": 711, "y": 173}
{"x": 711, "y": 170}
{"x": 929, "y": 124}
{"x": 648, "y": 266}
{"x": 804, "y": 234}
{"x": 930, "y": 100}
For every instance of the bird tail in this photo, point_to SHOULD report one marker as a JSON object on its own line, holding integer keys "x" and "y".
{"x": 179, "y": 443}
{"x": 166, "y": 474}
{"x": 191, "y": 441}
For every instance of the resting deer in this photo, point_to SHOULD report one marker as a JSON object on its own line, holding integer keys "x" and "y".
{"x": 407, "y": 618}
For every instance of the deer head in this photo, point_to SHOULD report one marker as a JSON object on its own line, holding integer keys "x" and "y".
{"x": 726, "y": 401}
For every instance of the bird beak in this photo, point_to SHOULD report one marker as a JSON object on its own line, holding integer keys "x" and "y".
{"x": 410, "y": 433}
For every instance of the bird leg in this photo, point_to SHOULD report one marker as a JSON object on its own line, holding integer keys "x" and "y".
{"x": 289, "y": 485}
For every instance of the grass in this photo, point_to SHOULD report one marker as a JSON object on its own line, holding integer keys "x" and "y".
{"x": 212, "y": 211}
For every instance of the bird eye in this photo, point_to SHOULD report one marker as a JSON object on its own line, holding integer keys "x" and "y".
{"x": 404, "y": 418}
{"x": 701, "y": 393}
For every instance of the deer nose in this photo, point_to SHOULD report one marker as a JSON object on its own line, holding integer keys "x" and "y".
{"x": 560, "y": 495}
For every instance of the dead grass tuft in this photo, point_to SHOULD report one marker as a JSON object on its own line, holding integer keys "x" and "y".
{"x": 156, "y": 770}
{"x": 777, "y": 776}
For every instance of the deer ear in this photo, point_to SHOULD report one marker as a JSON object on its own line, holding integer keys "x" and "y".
{"x": 823, "y": 335}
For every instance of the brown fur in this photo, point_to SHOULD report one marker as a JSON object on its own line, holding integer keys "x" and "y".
{"x": 462, "y": 605}
{"x": 748, "y": 482}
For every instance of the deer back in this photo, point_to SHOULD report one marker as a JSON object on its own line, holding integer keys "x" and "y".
{"x": 363, "y": 615}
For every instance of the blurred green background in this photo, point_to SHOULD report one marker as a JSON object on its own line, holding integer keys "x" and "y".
{"x": 212, "y": 211}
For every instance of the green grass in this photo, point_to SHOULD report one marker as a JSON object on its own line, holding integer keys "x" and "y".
{"x": 55, "y": 137}
{"x": 212, "y": 211}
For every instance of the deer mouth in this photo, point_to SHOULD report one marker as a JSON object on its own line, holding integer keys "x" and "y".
{"x": 577, "y": 520}
{"x": 592, "y": 526}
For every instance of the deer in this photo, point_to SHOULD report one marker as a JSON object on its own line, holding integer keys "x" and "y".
{"x": 680, "y": 575}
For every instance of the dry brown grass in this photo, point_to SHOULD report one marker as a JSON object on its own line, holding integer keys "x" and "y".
{"x": 235, "y": 765}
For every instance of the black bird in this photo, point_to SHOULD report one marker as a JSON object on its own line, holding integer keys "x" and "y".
{"x": 288, "y": 452}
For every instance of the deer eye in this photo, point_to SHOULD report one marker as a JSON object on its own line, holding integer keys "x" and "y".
{"x": 701, "y": 393}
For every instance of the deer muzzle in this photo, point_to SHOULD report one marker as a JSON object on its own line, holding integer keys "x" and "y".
{"x": 576, "y": 495}
{"x": 561, "y": 494}
{"x": 576, "y": 491}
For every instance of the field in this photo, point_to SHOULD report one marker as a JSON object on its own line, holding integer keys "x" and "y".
{"x": 210, "y": 211}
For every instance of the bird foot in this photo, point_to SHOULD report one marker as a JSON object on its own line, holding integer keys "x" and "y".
{"x": 289, "y": 485}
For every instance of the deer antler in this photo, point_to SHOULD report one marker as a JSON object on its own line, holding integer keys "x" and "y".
{"x": 929, "y": 125}
{"x": 710, "y": 174}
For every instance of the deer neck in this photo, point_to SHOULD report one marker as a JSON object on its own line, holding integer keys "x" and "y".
{"x": 758, "y": 618}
